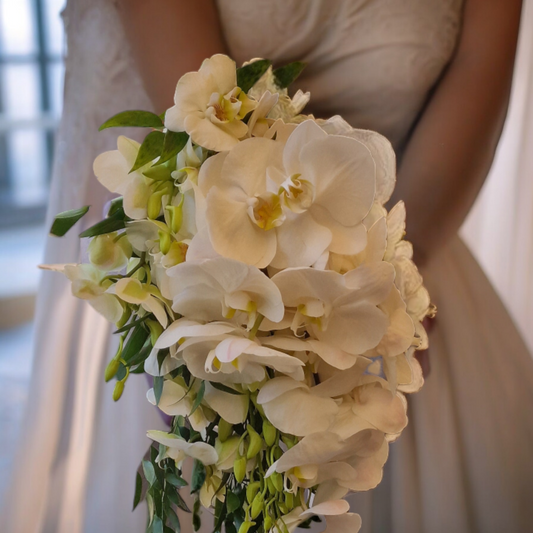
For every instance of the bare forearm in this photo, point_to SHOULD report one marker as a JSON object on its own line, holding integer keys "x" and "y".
{"x": 452, "y": 147}
{"x": 169, "y": 38}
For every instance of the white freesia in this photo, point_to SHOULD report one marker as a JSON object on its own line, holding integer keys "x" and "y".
{"x": 339, "y": 310}
{"x": 113, "y": 171}
{"x": 209, "y": 106}
{"x": 222, "y": 288}
{"x": 179, "y": 449}
{"x": 288, "y": 204}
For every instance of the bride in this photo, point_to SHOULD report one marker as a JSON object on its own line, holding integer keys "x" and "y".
{"x": 434, "y": 77}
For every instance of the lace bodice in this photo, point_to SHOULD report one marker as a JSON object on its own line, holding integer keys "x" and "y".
{"x": 373, "y": 61}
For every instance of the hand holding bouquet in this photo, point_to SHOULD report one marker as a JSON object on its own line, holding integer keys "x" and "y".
{"x": 252, "y": 269}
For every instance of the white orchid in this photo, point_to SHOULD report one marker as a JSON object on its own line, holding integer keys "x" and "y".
{"x": 90, "y": 284}
{"x": 179, "y": 449}
{"x": 221, "y": 352}
{"x": 285, "y": 205}
{"x": 109, "y": 252}
{"x": 177, "y": 399}
{"x": 339, "y": 310}
{"x": 132, "y": 291}
{"x": 209, "y": 106}
{"x": 221, "y": 288}
{"x": 113, "y": 171}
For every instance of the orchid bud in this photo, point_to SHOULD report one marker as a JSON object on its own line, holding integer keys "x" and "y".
{"x": 288, "y": 441}
{"x": 283, "y": 508}
{"x": 154, "y": 204}
{"x": 111, "y": 370}
{"x": 269, "y": 433}
{"x": 251, "y": 490}
{"x": 245, "y": 526}
{"x": 225, "y": 429}
{"x": 125, "y": 317}
{"x": 271, "y": 487}
{"x": 289, "y": 500}
{"x": 106, "y": 253}
{"x": 119, "y": 389}
{"x": 165, "y": 242}
{"x": 277, "y": 481}
{"x": 257, "y": 505}
{"x": 239, "y": 468}
{"x": 155, "y": 330}
{"x": 256, "y": 443}
{"x": 267, "y": 523}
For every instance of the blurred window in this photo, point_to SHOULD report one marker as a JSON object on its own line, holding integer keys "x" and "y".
{"x": 31, "y": 86}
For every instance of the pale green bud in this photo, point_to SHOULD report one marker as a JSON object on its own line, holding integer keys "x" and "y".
{"x": 256, "y": 443}
{"x": 111, "y": 370}
{"x": 125, "y": 316}
{"x": 239, "y": 468}
{"x": 251, "y": 490}
{"x": 107, "y": 254}
{"x": 267, "y": 523}
{"x": 271, "y": 487}
{"x": 154, "y": 204}
{"x": 165, "y": 241}
{"x": 257, "y": 505}
{"x": 269, "y": 433}
{"x": 277, "y": 481}
{"x": 155, "y": 330}
{"x": 289, "y": 500}
{"x": 289, "y": 442}
{"x": 119, "y": 389}
{"x": 245, "y": 526}
{"x": 225, "y": 429}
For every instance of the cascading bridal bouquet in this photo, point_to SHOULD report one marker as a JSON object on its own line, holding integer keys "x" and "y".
{"x": 252, "y": 269}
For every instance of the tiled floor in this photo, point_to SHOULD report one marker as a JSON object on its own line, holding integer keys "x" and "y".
{"x": 15, "y": 369}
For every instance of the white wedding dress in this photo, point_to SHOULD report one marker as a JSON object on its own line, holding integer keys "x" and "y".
{"x": 463, "y": 465}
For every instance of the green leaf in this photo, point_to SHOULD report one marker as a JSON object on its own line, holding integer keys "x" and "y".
{"x": 196, "y": 521}
{"x": 175, "y": 481}
{"x": 115, "y": 205}
{"x": 287, "y": 74}
{"x": 249, "y": 75}
{"x": 141, "y": 357}
{"x": 151, "y": 148}
{"x": 138, "y": 490}
{"x": 158, "y": 388}
{"x": 133, "y": 324}
{"x": 198, "y": 399}
{"x": 157, "y": 525}
{"x": 115, "y": 222}
{"x": 230, "y": 527}
{"x": 173, "y": 520}
{"x": 180, "y": 502}
{"x": 149, "y": 472}
{"x": 65, "y": 220}
{"x": 233, "y": 502}
{"x": 174, "y": 143}
{"x": 135, "y": 342}
{"x": 121, "y": 372}
{"x": 224, "y": 388}
{"x": 133, "y": 119}
{"x": 198, "y": 476}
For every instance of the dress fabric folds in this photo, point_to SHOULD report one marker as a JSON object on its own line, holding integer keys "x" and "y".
{"x": 463, "y": 465}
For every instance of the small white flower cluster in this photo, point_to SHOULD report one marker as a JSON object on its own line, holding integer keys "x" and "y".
{"x": 282, "y": 301}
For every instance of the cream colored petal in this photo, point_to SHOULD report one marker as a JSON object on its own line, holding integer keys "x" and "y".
{"x": 347, "y": 523}
{"x": 300, "y": 241}
{"x": 234, "y": 235}
{"x": 304, "y": 133}
{"x": 344, "y": 175}
{"x": 223, "y": 71}
{"x": 233, "y": 408}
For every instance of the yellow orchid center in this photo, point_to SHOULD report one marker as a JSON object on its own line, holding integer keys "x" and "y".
{"x": 265, "y": 211}
{"x": 297, "y": 193}
{"x": 225, "y": 108}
